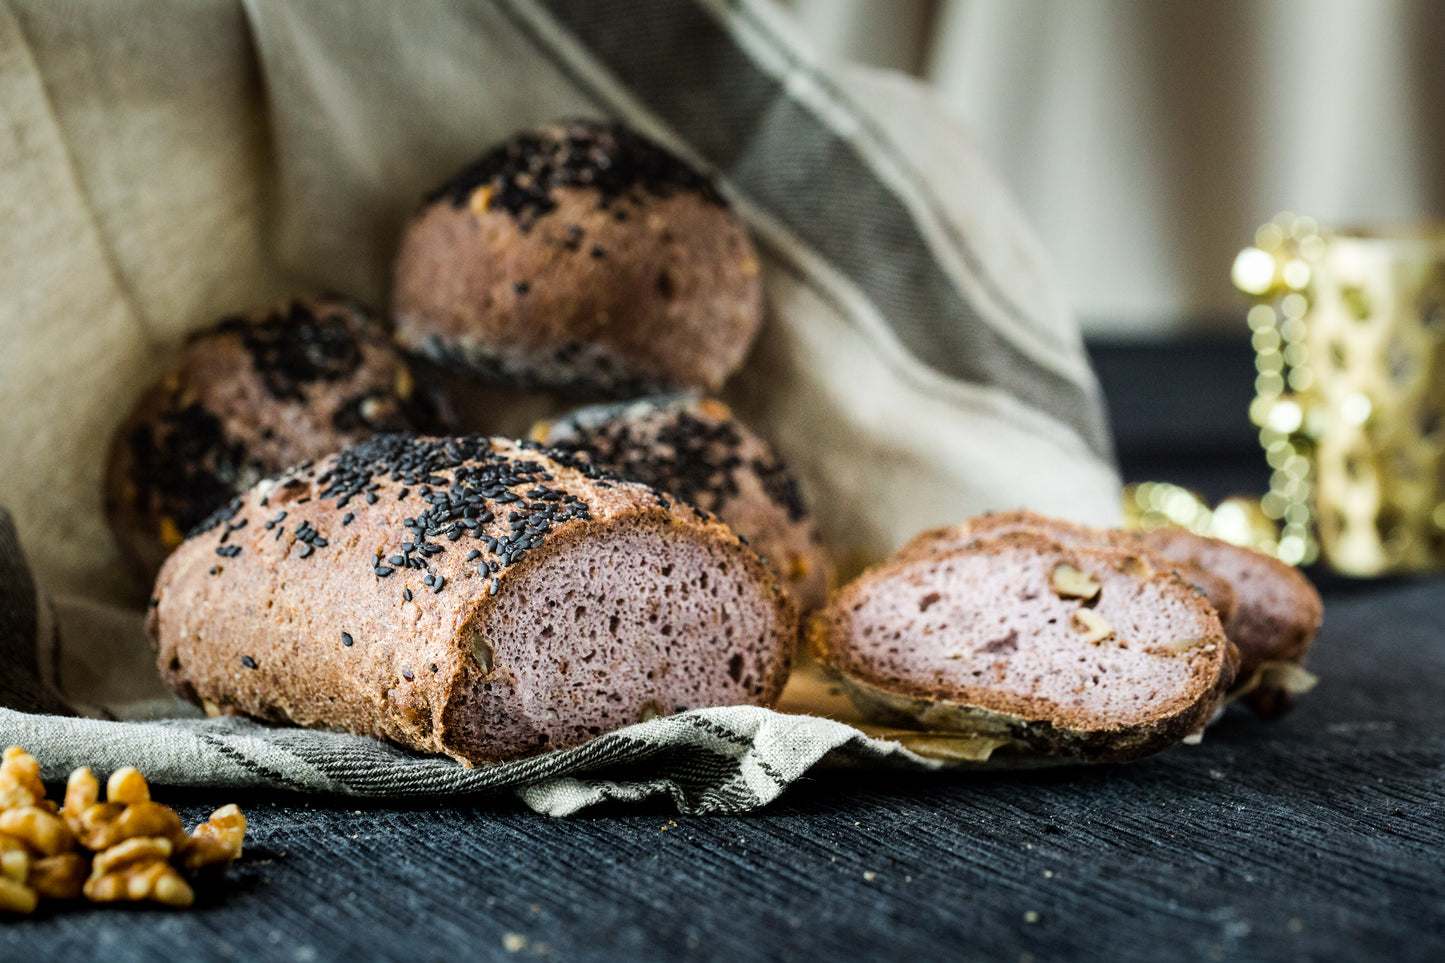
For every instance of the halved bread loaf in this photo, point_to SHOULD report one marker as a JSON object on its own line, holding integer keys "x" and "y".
{"x": 1269, "y": 610}
{"x": 470, "y": 596}
{"x": 1074, "y": 652}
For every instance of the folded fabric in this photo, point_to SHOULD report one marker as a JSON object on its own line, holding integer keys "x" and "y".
{"x": 159, "y": 171}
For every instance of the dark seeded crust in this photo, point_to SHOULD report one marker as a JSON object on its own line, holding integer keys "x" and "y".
{"x": 580, "y": 257}
{"x": 315, "y": 618}
{"x": 246, "y": 399}
{"x": 1219, "y": 590}
{"x": 1035, "y": 723}
{"x": 694, "y": 449}
{"x": 1279, "y": 611}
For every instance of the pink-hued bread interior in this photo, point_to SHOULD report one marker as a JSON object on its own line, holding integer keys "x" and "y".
{"x": 1005, "y": 635}
{"x": 1269, "y": 609}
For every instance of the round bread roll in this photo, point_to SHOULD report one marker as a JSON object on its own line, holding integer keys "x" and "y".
{"x": 583, "y": 257}
{"x": 694, "y": 449}
{"x": 471, "y": 596}
{"x": 247, "y": 398}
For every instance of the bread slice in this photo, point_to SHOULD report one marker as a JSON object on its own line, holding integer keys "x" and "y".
{"x": 1068, "y": 651}
{"x": 1274, "y": 623}
{"x": 1269, "y": 609}
{"x": 471, "y": 596}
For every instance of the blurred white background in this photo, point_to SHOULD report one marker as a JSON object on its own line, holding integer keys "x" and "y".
{"x": 1145, "y": 141}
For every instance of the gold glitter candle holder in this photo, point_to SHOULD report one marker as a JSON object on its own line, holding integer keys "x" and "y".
{"x": 1349, "y": 338}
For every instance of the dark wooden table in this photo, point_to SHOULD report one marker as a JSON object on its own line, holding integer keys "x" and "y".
{"x": 1316, "y": 837}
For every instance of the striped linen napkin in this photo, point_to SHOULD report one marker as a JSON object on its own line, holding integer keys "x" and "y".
{"x": 156, "y": 173}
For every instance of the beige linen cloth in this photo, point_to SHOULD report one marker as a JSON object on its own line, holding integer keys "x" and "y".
{"x": 168, "y": 162}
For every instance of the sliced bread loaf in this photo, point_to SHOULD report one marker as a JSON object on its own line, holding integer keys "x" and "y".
{"x": 1067, "y": 651}
{"x": 1269, "y": 609}
{"x": 468, "y": 596}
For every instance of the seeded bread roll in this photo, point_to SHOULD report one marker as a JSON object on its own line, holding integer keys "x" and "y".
{"x": 1269, "y": 610}
{"x": 1066, "y": 652}
{"x": 580, "y": 256}
{"x": 475, "y": 597}
{"x": 694, "y": 449}
{"x": 247, "y": 398}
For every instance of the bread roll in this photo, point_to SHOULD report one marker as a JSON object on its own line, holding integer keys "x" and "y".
{"x": 475, "y": 597}
{"x": 247, "y": 398}
{"x": 584, "y": 257}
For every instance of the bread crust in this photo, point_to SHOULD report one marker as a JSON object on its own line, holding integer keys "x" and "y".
{"x": 1034, "y": 724}
{"x": 285, "y": 610}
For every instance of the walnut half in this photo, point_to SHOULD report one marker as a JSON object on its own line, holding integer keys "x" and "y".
{"x": 1070, "y": 583}
{"x": 128, "y": 848}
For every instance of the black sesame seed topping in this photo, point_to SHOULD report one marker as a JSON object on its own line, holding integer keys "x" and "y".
{"x": 619, "y": 164}
{"x": 347, "y": 640}
{"x": 433, "y": 667}
{"x": 248, "y": 662}
{"x": 461, "y": 481}
{"x": 228, "y": 551}
{"x": 348, "y": 518}
{"x": 183, "y": 465}
{"x": 406, "y": 673}
{"x": 297, "y": 346}
{"x": 670, "y": 445}
{"x": 406, "y": 594}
